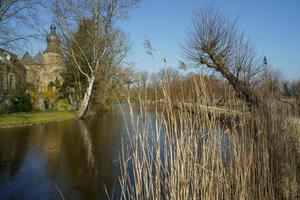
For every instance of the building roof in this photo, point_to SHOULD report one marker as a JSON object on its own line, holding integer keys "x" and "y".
{"x": 27, "y": 58}
{"x": 39, "y": 58}
{"x": 7, "y": 56}
{"x": 8, "y": 59}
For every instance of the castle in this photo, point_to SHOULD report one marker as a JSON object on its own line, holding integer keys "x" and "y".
{"x": 42, "y": 72}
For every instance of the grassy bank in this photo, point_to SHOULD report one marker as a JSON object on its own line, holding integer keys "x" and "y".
{"x": 19, "y": 119}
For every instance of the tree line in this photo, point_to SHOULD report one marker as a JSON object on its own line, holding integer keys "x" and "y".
{"x": 94, "y": 50}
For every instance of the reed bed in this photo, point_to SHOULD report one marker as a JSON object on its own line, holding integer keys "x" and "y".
{"x": 179, "y": 154}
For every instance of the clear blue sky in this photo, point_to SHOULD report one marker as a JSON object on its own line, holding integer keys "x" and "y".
{"x": 272, "y": 25}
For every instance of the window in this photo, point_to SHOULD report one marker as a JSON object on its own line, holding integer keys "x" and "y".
{"x": 12, "y": 81}
{"x": 3, "y": 81}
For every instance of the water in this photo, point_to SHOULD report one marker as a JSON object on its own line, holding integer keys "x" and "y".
{"x": 76, "y": 159}
{"x": 72, "y": 159}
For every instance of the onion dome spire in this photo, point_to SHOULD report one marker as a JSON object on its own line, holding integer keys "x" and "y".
{"x": 52, "y": 41}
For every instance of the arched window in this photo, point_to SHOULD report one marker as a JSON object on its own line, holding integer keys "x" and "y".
{"x": 12, "y": 81}
{"x": 3, "y": 81}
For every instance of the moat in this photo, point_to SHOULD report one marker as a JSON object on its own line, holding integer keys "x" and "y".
{"x": 75, "y": 159}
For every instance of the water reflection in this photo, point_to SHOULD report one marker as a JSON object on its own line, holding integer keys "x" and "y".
{"x": 76, "y": 156}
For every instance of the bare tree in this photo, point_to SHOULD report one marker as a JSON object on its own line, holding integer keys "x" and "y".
{"x": 101, "y": 37}
{"x": 142, "y": 78}
{"x": 169, "y": 74}
{"x": 270, "y": 81}
{"x": 15, "y": 15}
{"x": 213, "y": 41}
{"x": 127, "y": 76}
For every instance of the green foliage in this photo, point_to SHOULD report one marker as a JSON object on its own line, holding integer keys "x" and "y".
{"x": 108, "y": 75}
{"x": 74, "y": 82}
{"x": 18, "y": 101}
{"x": 21, "y": 102}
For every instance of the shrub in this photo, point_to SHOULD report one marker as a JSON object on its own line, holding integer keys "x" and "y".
{"x": 18, "y": 101}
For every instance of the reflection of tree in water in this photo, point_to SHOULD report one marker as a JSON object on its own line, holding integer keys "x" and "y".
{"x": 12, "y": 150}
{"x": 88, "y": 144}
{"x": 85, "y": 160}
{"x": 50, "y": 137}
{"x": 80, "y": 157}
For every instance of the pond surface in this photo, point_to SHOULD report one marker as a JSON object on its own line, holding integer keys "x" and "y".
{"x": 76, "y": 159}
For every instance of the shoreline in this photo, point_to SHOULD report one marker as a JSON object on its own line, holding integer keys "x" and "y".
{"x": 34, "y": 118}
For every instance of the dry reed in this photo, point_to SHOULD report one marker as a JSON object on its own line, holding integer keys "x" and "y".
{"x": 182, "y": 154}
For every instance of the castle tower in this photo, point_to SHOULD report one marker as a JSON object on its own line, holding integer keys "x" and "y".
{"x": 52, "y": 59}
{"x": 44, "y": 71}
{"x": 53, "y": 44}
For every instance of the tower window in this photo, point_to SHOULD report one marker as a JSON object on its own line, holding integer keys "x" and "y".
{"x": 12, "y": 81}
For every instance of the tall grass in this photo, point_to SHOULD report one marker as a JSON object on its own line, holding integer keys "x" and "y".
{"x": 197, "y": 154}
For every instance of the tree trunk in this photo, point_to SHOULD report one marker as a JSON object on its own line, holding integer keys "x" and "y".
{"x": 86, "y": 100}
{"x": 242, "y": 89}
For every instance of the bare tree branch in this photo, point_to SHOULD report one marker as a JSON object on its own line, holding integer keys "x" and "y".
{"x": 103, "y": 49}
{"x": 214, "y": 41}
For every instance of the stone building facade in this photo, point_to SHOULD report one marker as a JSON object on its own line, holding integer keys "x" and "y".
{"x": 12, "y": 74}
{"x": 43, "y": 73}
{"x": 40, "y": 74}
